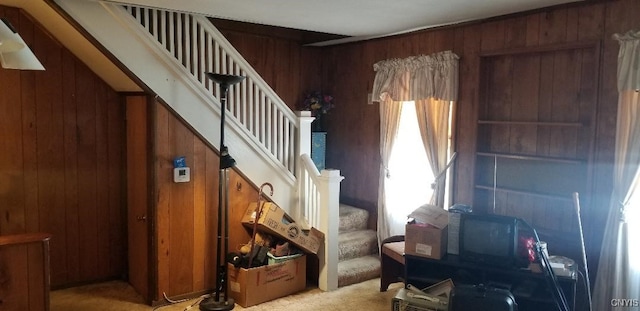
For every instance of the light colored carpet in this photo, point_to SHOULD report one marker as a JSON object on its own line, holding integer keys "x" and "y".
{"x": 357, "y": 247}
{"x": 119, "y": 296}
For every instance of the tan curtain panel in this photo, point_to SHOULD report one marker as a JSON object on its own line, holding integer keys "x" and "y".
{"x": 417, "y": 77}
{"x": 389, "y": 120}
{"x": 433, "y": 121}
{"x": 629, "y": 60}
{"x": 618, "y": 269}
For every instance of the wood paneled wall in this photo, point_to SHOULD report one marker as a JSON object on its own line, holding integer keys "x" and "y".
{"x": 353, "y": 127}
{"x": 61, "y": 165}
{"x": 186, "y": 213}
{"x": 291, "y": 69}
{"x": 24, "y": 271}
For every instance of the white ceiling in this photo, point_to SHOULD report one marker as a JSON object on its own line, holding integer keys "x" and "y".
{"x": 358, "y": 19}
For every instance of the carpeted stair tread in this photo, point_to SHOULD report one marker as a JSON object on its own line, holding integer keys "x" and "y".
{"x": 352, "y": 218}
{"x": 356, "y": 244}
{"x": 358, "y": 270}
{"x": 357, "y": 247}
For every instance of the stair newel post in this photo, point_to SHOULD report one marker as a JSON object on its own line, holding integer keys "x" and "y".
{"x": 304, "y": 126}
{"x": 329, "y": 189}
{"x": 304, "y": 147}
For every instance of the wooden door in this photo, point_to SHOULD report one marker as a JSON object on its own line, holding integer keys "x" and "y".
{"x": 137, "y": 194}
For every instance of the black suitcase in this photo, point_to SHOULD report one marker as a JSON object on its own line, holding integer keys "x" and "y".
{"x": 481, "y": 298}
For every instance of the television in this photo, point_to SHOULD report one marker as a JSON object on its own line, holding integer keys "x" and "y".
{"x": 489, "y": 239}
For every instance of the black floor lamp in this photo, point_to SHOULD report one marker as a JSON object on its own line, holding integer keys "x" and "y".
{"x": 215, "y": 303}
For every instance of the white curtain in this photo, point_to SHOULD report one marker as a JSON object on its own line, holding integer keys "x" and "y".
{"x": 433, "y": 120}
{"x": 389, "y": 120}
{"x": 417, "y": 78}
{"x": 618, "y": 276}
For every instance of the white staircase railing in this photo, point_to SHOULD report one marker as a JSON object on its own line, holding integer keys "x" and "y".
{"x": 170, "y": 52}
{"x": 253, "y": 105}
{"x": 320, "y": 201}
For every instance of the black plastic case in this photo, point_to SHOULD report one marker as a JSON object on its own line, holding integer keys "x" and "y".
{"x": 481, "y": 298}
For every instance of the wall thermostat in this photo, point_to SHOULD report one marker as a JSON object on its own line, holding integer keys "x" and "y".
{"x": 181, "y": 174}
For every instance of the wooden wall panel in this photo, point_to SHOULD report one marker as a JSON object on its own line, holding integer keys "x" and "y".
{"x": 200, "y": 191}
{"x": 70, "y": 134}
{"x": 63, "y": 159}
{"x": 288, "y": 67}
{"x": 181, "y": 141}
{"x": 163, "y": 175}
{"x": 24, "y": 271}
{"x": 187, "y": 213}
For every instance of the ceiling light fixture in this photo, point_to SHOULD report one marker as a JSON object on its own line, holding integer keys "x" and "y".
{"x": 14, "y": 52}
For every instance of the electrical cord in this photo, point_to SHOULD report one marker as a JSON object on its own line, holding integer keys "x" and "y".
{"x": 585, "y": 284}
{"x": 559, "y": 297}
{"x": 164, "y": 294}
{"x": 173, "y": 302}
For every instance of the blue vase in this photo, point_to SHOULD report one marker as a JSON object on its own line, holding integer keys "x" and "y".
{"x": 318, "y": 149}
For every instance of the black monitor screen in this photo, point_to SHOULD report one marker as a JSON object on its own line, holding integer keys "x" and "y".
{"x": 488, "y": 237}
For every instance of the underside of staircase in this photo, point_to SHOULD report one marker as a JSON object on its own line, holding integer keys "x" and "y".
{"x": 358, "y": 247}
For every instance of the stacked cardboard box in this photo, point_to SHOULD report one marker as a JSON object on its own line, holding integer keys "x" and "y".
{"x": 274, "y": 220}
{"x": 426, "y": 235}
{"x": 252, "y": 286}
{"x": 249, "y": 287}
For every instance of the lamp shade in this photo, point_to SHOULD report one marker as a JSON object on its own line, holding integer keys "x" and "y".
{"x": 14, "y": 52}
{"x": 10, "y": 41}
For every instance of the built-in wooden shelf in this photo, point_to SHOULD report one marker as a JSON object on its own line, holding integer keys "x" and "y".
{"x": 530, "y": 157}
{"x": 536, "y": 123}
{"x": 529, "y": 193}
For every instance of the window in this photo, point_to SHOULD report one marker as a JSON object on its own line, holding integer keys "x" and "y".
{"x": 410, "y": 176}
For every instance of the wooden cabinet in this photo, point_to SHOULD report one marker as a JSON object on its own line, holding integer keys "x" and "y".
{"x": 24, "y": 272}
{"x": 536, "y": 125}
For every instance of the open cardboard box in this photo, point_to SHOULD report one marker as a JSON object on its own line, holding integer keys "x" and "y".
{"x": 274, "y": 220}
{"x": 252, "y": 286}
{"x": 427, "y": 237}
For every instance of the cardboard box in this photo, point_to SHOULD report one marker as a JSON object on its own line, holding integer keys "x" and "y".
{"x": 427, "y": 236}
{"x": 250, "y": 287}
{"x": 274, "y": 220}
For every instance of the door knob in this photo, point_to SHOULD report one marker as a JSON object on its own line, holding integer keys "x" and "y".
{"x": 142, "y": 218}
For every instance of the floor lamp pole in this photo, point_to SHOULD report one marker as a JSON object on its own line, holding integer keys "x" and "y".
{"x": 220, "y": 302}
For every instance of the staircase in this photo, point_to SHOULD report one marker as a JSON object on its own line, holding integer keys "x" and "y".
{"x": 357, "y": 247}
{"x": 170, "y": 52}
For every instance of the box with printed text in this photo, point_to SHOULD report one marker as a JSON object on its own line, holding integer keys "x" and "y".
{"x": 252, "y": 286}
{"x": 426, "y": 235}
{"x": 274, "y": 220}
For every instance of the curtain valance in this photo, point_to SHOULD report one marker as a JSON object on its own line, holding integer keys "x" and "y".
{"x": 629, "y": 60}
{"x": 417, "y": 78}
